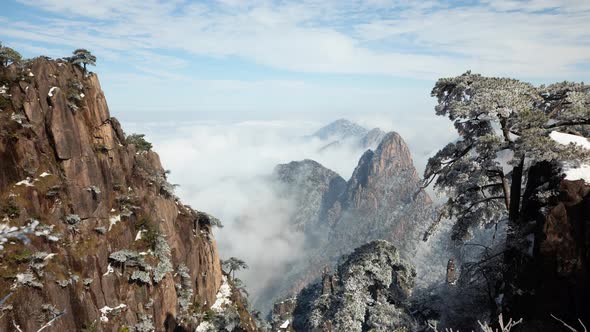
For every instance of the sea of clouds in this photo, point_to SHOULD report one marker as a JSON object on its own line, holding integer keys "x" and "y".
{"x": 225, "y": 168}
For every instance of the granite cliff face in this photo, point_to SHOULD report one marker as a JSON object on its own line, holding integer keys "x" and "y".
{"x": 368, "y": 292}
{"x": 378, "y": 202}
{"x": 93, "y": 229}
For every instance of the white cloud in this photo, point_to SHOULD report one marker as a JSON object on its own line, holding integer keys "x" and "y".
{"x": 533, "y": 39}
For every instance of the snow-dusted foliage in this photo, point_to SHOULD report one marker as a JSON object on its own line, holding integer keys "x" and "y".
{"x": 162, "y": 252}
{"x": 34, "y": 227}
{"x": 368, "y": 292}
{"x": 505, "y": 127}
{"x": 145, "y": 272}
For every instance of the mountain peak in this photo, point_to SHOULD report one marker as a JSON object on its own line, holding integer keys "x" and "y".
{"x": 341, "y": 129}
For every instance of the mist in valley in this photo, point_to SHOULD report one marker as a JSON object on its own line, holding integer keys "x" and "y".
{"x": 225, "y": 169}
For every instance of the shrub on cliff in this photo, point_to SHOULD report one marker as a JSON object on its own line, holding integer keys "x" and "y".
{"x": 139, "y": 141}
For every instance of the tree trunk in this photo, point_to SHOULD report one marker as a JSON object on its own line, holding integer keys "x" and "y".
{"x": 506, "y": 190}
{"x": 515, "y": 189}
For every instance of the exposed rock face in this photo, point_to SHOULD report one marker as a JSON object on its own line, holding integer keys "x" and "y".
{"x": 378, "y": 202}
{"x": 108, "y": 239}
{"x": 315, "y": 189}
{"x": 552, "y": 275}
{"x": 367, "y": 293}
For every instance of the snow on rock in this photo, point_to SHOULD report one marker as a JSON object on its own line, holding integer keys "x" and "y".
{"x": 284, "y": 325}
{"x": 563, "y": 138}
{"x": 109, "y": 270}
{"x": 44, "y": 174}
{"x": 573, "y": 173}
{"x": 26, "y": 182}
{"x": 50, "y": 93}
{"x": 3, "y": 89}
{"x": 114, "y": 220}
{"x": 503, "y": 158}
{"x": 107, "y": 310}
{"x": 205, "y": 327}
{"x": 578, "y": 173}
{"x": 222, "y": 298}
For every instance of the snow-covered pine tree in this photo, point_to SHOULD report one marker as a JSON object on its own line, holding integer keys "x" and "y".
{"x": 504, "y": 128}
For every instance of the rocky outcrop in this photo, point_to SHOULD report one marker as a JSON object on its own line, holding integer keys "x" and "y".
{"x": 552, "y": 272}
{"x": 368, "y": 292}
{"x": 106, "y": 243}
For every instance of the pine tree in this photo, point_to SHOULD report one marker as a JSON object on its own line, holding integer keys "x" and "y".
{"x": 504, "y": 128}
{"x": 233, "y": 264}
{"x": 83, "y": 57}
{"x": 8, "y": 56}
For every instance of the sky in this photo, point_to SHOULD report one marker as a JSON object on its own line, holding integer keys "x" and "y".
{"x": 231, "y": 59}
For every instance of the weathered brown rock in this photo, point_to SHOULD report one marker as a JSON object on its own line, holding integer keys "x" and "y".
{"x": 552, "y": 273}
{"x": 96, "y": 175}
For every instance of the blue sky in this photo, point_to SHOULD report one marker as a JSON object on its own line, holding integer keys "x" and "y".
{"x": 281, "y": 59}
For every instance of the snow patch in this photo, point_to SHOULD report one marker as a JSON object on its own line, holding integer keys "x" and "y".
{"x": 565, "y": 139}
{"x": 44, "y": 174}
{"x": 503, "y": 158}
{"x": 573, "y": 173}
{"x": 107, "y": 310}
{"x": 26, "y": 182}
{"x": 284, "y": 325}
{"x": 109, "y": 270}
{"x": 114, "y": 220}
{"x": 50, "y": 93}
{"x": 205, "y": 327}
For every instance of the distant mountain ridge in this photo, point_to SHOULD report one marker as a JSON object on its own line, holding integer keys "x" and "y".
{"x": 344, "y": 130}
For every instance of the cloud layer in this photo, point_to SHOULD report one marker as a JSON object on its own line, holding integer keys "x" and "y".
{"x": 224, "y": 169}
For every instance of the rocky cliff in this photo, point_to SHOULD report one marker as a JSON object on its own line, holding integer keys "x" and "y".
{"x": 368, "y": 292}
{"x": 93, "y": 237}
{"x": 551, "y": 275}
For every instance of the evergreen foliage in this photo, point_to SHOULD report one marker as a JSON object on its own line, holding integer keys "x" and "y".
{"x": 504, "y": 128}
{"x": 82, "y": 57}
{"x": 233, "y": 264}
{"x": 8, "y": 56}
{"x": 139, "y": 141}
